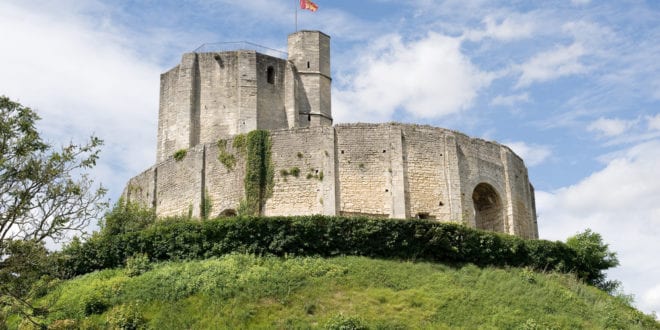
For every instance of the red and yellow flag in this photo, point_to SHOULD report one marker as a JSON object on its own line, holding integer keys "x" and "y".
{"x": 309, "y": 5}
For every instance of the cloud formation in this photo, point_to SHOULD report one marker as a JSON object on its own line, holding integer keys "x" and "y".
{"x": 610, "y": 127}
{"x": 82, "y": 80}
{"x": 532, "y": 154}
{"x": 619, "y": 202}
{"x": 425, "y": 78}
{"x": 558, "y": 62}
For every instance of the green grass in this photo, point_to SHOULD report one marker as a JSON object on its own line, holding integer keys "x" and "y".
{"x": 246, "y": 291}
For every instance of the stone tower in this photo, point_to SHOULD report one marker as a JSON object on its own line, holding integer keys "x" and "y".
{"x": 375, "y": 170}
{"x": 213, "y": 95}
{"x": 309, "y": 52}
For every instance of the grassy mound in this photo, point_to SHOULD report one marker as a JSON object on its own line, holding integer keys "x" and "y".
{"x": 246, "y": 291}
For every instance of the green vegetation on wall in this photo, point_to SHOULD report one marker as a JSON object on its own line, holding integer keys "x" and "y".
{"x": 205, "y": 206}
{"x": 180, "y": 154}
{"x": 258, "y": 171}
{"x": 225, "y": 157}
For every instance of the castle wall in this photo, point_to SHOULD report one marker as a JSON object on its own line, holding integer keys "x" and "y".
{"x": 426, "y": 172}
{"x": 271, "y": 112}
{"x": 141, "y": 188}
{"x": 364, "y": 170}
{"x": 176, "y": 107}
{"x": 380, "y": 170}
{"x": 219, "y": 95}
{"x": 223, "y": 186}
{"x": 311, "y": 153}
{"x": 179, "y": 184}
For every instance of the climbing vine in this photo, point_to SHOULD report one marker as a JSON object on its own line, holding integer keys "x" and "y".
{"x": 226, "y": 158}
{"x": 258, "y": 171}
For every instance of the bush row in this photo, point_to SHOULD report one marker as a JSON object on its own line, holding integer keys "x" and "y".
{"x": 179, "y": 239}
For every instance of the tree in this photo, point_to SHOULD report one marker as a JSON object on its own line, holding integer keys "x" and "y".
{"x": 44, "y": 194}
{"x": 595, "y": 257}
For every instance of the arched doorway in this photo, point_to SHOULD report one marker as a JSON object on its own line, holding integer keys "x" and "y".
{"x": 487, "y": 208}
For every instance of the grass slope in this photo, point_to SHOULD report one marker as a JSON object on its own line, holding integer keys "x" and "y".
{"x": 246, "y": 291}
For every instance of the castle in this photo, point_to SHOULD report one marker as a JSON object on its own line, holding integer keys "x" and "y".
{"x": 378, "y": 170}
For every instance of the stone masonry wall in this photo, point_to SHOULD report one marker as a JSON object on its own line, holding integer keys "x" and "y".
{"x": 380, "y": 170}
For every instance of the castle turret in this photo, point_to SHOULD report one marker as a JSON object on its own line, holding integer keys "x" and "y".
{"x": 309, "y": 51}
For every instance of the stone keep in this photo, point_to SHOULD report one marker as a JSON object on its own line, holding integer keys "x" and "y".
{"x": 378, "y": 170}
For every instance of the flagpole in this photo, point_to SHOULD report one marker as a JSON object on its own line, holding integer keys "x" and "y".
{"x": 296, "y": 16}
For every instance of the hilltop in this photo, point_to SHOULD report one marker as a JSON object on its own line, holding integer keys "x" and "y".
{"x": 247, "y": 291}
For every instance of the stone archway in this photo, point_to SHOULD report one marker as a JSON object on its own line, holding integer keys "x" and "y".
{"x": 488, "y": 210}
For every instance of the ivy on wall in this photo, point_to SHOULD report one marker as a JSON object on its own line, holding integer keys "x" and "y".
{"x": 258, "y": 171}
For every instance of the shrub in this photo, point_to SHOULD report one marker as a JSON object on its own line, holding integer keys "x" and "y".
{"x": 594, "y": 256}
{"x": 180, "y": 154}
{"x": 126, "y": 217}
{"x": 137, "y": 264}
{"x": 126, "y": 317}
{"x": 180, "y": 239}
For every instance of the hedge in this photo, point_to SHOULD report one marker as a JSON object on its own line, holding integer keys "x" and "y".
{"x": 422, "y": 240}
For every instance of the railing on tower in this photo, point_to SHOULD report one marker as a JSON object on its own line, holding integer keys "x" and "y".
{"x": 239, "y": 45}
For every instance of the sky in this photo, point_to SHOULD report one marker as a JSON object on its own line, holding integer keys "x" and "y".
{"x": 572, "y": 86}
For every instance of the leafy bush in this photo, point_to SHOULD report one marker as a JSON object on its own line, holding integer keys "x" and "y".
{"x": 596, "y": 256}
{"x": 126, "y": 317}
{"x": 180, "y": 239}
{"x": 180, "y": 154}
{"x": 137, "y": 264}
{"x": 127, "y": 217}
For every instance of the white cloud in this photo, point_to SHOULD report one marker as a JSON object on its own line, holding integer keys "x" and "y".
{"x": 610, "y": 127}
{"x": 621, "y": 203}
{"x": 82, "y": 79}
{"x": 426, "y": 78}
{"x": 532, "y": 154}
{"x": 654, "y": 123}
{"x": 552, "y": 64}
{"x": 510, "y": 100}
{"x": 512, "y": 27}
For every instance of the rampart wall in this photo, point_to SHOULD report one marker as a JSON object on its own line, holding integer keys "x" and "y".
{"x": 379, "y": 170}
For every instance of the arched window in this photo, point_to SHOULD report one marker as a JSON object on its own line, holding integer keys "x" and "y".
{"x": 270, "y": 75}
{"x": 488, "y": 209}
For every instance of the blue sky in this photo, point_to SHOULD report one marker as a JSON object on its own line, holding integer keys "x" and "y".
{"x": 571, "y": 86}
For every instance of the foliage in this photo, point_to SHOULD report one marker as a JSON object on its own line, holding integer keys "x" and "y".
{"x": 126, "y": 317}
{"x": 27, "y": 272}
{"x": 258, "y": 171}
{"x": 127, "y": 217}
{"x": 43, "y": 193}
{"x": 295, "y": 171}
{"x": 137, "y": 264}
{"x": 245, "y": 291}
{"x": 240, "y": 143}
{"x": 225, "y": 157}
{"x": 596, "y": 255}
{"x": 177, "y": 239}
{"x": 206, "y": 205}
{"x": 180, "y": 154}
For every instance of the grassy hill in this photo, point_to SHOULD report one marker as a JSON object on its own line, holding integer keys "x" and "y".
{"x": 247, "y": 291}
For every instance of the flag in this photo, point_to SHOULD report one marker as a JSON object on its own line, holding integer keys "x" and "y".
{"x": 309, "y": 5}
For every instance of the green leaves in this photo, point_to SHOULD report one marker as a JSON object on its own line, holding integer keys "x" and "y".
{"x": 178, "y": 239}
{"x": 44, "y": 193}
{"x": 595, "y": 256}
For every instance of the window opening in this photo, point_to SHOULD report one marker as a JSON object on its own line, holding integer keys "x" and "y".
{"x": 308, "y": 64}
{"x": 270, "y": 73}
